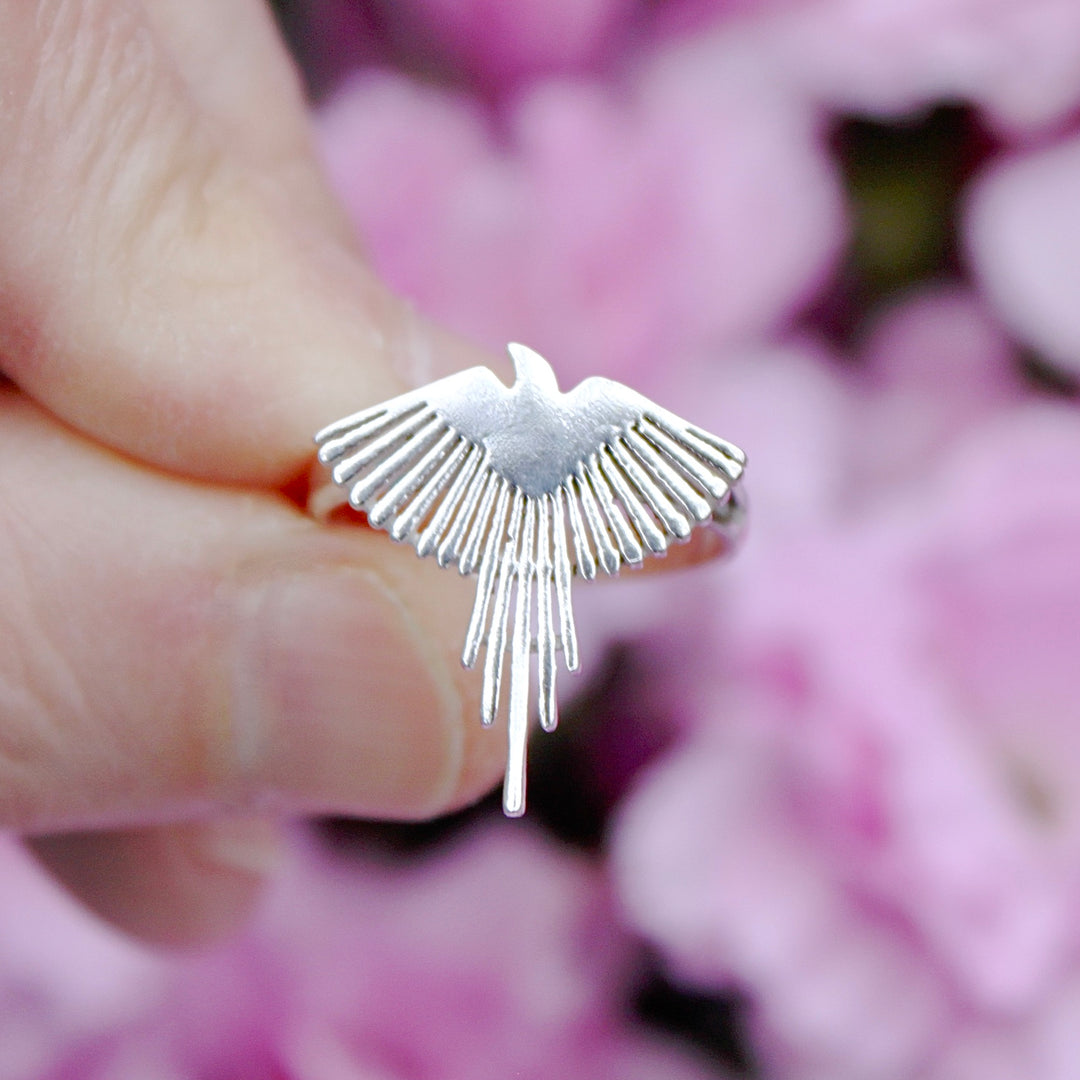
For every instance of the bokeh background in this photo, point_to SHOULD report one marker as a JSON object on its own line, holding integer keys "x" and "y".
{"x": 811, "y": 815}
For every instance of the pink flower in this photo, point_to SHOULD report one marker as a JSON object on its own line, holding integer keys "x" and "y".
{"x": 64, "y": 977}
{"x": 1020, "y": 62}
{"x": 933, "y": 366}
{"x": 496, "y": 957}
{"x": 875, "y": 831}
{"x": 791, "y": 407}
{"x": 501, "y": 45}
{"x": 493, "y": 958}
{"x": 606, "y": 229}
{"x": 332, "y": 37}
{"x": 1023, "y": 233}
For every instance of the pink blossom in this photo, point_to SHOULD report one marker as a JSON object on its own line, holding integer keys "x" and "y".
{"x": 1023, "y": 233}
{"x": 827, "y": 432}
{"x": 64, "y": 978}
{"x": 1020, "y": 62}
{"x": 715, "y": 869}
{"x": 791, "y": 406}
{"x": 496, "y": 957}
{"x": 875, "y": 830}
{"x": 490, "y": 959}
{"x": 606, "y": 229}
{"x": 333, "y": 37}
{"x": 933, "y": 366}
{"x": 501, "y": 45}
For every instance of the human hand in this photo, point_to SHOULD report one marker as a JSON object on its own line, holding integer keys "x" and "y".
{"x": 187, "y": 657}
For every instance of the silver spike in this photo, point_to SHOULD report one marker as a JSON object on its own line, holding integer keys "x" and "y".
{"x": 407, "y": 485}
{"x": 433, "y": 532}
{"x": 333, "y": 449}
{"x": 735, "y": 458}
{"x": 667, "y": 476}
{"x": 387, "y": 410}
{"x": 471, "y": 551}
{"x": 563, "y": 574}
{"x": 411, "y": 517}
{"x": 605, "y": 549}
{"x": 545, "y": 624}
{"x": 675, "y": 522}
{"x": 486, "y": 580}
{"x": 729, "y": 448}
{"x": 348, "y": 424}
{"x": 629, "y": 547}
{"x": 449, "y": 549}
{"x": 345, "y": 470}
{"x": 586, "y": 564}
{"x": 716, "y": 486}
{"x": 520, "y": 662}
{"x": 364, "y": 489}
{"x": 496, "y": 639}
{"x": 640, "y": 518}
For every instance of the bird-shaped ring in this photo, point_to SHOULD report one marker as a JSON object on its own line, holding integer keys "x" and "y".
{"x": 528, "y": 487}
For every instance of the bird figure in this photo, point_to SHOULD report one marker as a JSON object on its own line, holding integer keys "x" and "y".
{"x": 526, "y": 487}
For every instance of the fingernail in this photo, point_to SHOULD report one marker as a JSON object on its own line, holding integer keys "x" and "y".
{"x": 340, "y": 705}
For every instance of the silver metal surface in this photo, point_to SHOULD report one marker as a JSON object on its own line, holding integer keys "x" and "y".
{"x": 526, "y": 487}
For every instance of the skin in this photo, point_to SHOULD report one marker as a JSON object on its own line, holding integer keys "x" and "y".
{"x": 188, "y": 658}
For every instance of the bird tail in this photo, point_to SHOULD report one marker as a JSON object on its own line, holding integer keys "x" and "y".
{"x": 525, "y": 558}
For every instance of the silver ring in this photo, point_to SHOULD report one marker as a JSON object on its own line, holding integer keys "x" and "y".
{"x": 528, "y": 488}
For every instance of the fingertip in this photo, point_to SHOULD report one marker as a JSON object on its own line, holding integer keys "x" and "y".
{"x": 441, "y": 599}
{"x": 175, "y": 886}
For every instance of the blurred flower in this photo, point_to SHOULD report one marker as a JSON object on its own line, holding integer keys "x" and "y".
{"x": 789, "y": 403}
{"x": 492, "y": 958}
{"x": 875, "y": 831}
{"x": 329, "y": 38}
{"x": 1019, "y": 62}
{"x": 499, "y": 45}
{"x": 1023, "y": 232}
{"x": 699, "y": 208}
{"x": 64, "y": 978}
{"x": 496, "y": 957}
{"x": 933, "y": 366}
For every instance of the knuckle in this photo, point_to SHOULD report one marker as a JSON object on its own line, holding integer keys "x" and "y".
{"x": 103, "y": 133}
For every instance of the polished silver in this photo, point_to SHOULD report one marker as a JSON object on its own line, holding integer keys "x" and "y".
{"x": 526, "y": 487}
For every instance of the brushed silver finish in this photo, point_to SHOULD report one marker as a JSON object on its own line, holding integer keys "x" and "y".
{"x": 545, "y": 622}
{"x": 563, "y": 575}
{"x": 528, "y": 487}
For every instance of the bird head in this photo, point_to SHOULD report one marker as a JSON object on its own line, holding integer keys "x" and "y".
{"x": 532, "y": 369}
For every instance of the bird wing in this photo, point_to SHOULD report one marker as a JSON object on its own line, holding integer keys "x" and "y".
{"x": 411, "y": 469}
{"x": 646, "y": 479}
{"x": 618, "y": 475}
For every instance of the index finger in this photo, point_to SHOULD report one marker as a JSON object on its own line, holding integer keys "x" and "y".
{"x": 172, "y": 284}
